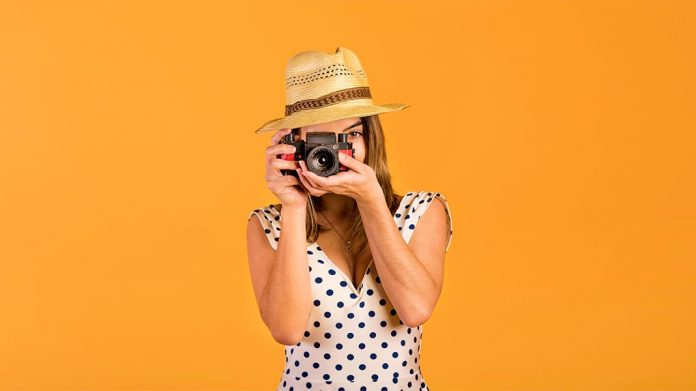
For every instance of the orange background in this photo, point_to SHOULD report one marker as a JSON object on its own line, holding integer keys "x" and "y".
{"x": 562, "y": 135}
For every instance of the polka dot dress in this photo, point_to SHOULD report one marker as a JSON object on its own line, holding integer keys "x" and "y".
{"x": 354, "y": 339}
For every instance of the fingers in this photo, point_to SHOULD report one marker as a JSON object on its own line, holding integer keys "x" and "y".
{"x": 275, "y": 165}
{"x": 273, "y": 150}
{"x": 350, "y": 162}
{"x": 276, "y": 148}
{"x": 307, "y": 185}
{"x": 307, "y": 178}
{"x": 322, "y": 182}
{"x": 279, "y": 135}
{"x": 276, "y": 184}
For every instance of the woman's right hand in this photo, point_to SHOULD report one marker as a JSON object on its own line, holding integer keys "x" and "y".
{"x": 283, "y": 186}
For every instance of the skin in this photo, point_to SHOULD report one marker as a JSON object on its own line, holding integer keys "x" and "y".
{"x": 337, "y": 205}
{"x": 411, "y": 273}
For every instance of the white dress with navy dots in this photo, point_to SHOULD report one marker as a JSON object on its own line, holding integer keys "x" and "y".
{"x": 354, "y": 339}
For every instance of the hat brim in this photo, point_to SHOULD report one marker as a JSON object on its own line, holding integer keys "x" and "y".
{"x": 327, "y": 114}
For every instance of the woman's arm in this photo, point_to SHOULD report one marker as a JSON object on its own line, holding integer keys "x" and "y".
{"x": 280, "y": 277}
{"x": 412, "y": 274}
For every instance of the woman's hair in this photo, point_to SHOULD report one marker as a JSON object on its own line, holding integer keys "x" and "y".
{"x": 375, "y": 157}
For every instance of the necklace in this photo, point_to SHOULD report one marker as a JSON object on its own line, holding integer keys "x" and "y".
{"x": 347, "y": 246}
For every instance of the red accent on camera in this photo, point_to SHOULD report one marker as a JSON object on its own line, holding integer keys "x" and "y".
{"x": 348, "y": 152}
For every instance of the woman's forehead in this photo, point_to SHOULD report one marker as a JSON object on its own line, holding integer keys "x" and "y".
{"x": 333, "y": 126}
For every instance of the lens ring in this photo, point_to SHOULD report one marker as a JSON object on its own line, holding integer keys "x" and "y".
{"x": 322, "y": 169}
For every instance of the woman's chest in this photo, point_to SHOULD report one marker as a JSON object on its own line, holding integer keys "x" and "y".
{"x": 352, "y": 264}
{"x": 339, "y": 308}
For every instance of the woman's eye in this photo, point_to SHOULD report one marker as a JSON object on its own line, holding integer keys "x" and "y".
{"x": 355, "y": 134}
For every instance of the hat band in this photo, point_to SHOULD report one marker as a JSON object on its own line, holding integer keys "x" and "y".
{"x": 329, "y": 99}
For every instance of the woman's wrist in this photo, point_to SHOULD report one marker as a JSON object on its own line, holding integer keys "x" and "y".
{"x": 294, "y": 208}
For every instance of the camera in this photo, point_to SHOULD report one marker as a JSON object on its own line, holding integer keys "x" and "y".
{"x": 320, "y": 152}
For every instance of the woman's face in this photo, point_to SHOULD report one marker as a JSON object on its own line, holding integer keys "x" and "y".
{"x": 351, "y": 126}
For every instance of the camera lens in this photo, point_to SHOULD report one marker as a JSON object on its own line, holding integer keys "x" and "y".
{"x": 322, "y": 161}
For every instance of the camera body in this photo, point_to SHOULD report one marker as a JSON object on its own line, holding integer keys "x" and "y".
{"x": 320, "y": 152}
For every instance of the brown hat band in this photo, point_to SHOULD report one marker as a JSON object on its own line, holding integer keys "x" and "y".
{"x": 329, "y": 99}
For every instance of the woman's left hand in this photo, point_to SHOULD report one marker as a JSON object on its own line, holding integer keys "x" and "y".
{"x": 359, "y": 182}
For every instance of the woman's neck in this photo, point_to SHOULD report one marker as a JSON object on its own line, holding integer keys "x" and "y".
{"x": 336, "y": 206}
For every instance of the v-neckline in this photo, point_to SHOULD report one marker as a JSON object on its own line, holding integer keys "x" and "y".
{"x": 357, "y": 291}
{"x": 348, "y": 281}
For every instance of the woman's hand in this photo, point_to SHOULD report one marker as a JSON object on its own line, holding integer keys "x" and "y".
{"x": 283, "y": 186}
{"x": 359, "y": 182}
{"x": 309, "y": 187}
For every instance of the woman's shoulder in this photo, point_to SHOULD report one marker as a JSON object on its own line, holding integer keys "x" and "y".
{"x": 269, "y": 212}
{"x": 269, "y": 217}
{"x": 413, "y": 207}
{"x": 415, "y": 203}
{"x": 422, "y": 195}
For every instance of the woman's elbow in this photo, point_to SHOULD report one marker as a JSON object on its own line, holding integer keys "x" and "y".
{"x": 285, "y": 337}
{"x": 417, "y": 318}
{"x": 284, "y": 332}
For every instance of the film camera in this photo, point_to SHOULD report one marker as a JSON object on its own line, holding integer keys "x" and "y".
{"x": 320, "y": 152}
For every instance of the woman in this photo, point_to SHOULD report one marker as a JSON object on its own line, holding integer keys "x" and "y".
{"x": 341, "y": 275}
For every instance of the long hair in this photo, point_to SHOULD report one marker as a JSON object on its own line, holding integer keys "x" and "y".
{"x": 375, "y": 157}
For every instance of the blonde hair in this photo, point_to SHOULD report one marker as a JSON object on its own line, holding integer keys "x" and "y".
{"x": 375, "y": 157}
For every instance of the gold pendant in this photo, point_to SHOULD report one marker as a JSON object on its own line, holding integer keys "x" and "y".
{"x": 348, "y": 248}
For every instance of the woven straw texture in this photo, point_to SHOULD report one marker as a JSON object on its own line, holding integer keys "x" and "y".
{"x": 322, "y": 87}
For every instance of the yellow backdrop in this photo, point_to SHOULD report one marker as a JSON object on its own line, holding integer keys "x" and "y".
{"x": 562, "y": 135}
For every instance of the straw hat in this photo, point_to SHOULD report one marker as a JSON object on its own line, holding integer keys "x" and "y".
{"x": 322, "y": 87}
